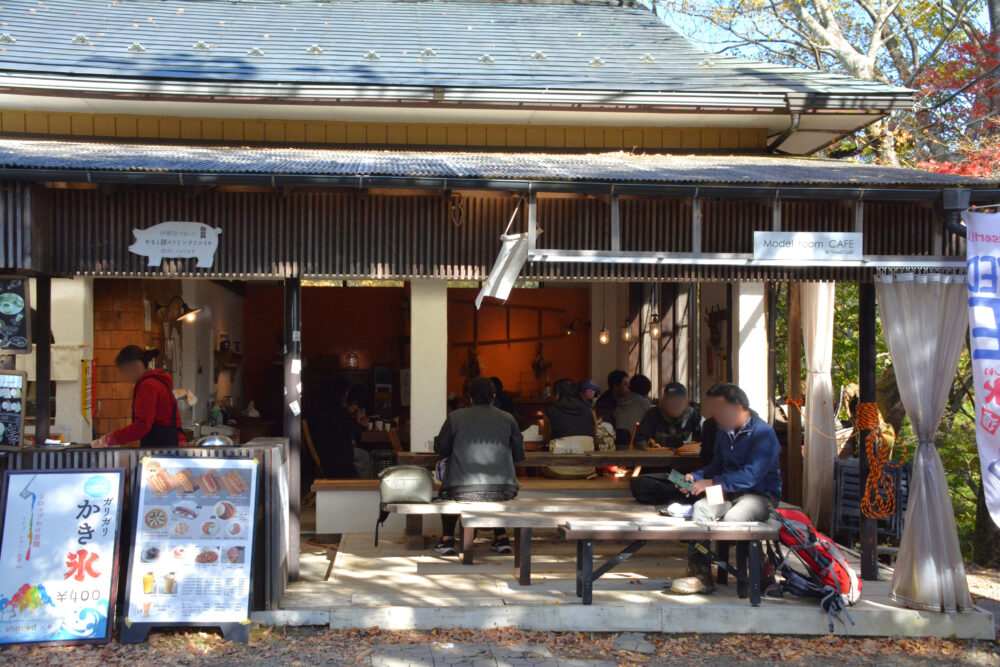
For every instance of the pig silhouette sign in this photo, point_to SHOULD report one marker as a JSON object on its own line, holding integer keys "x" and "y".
{"x": 177, "y": 240}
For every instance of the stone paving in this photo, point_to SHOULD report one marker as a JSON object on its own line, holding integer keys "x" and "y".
{"x": 449, "y": 654}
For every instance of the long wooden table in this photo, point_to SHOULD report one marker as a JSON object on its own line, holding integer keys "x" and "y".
{"x": 626, "y": 458}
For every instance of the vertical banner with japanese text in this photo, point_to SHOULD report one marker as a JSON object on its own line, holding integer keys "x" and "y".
{"x": 983, "y": 266}
{"x": 59, "y": 555}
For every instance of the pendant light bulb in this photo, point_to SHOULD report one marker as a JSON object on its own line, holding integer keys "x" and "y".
{"x": 654, "y": 326}
{"x": 603, "y": 337}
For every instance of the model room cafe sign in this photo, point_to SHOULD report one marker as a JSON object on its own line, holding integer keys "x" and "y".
{"x": 807, "y": 246}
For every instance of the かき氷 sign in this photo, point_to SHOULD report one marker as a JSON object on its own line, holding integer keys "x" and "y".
{"x": 59, "y": 555}
{"x": 177, "y": 240}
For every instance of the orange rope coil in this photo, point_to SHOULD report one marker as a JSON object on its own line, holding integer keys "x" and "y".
{"x": 879, "y": 498}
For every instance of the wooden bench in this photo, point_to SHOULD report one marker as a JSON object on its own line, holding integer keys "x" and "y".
{"x": 523, "y": 521}
{"x": 748, "y": 537}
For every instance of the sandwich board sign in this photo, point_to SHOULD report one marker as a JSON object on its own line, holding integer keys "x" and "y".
{"x": 59, "y": 555}
{"x": 192, "y": 546}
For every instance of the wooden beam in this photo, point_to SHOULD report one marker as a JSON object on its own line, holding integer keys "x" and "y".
{"x": 616, "y": 229}
{"x": 695, "y": 225}
{"x": 43, "y": 357}
{"x": 795, "y": 393}
{"x": 293, "y": 416}
{"x": 866, "y": 394}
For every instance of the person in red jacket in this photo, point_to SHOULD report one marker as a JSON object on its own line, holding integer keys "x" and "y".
{"x": 156, "y": 419}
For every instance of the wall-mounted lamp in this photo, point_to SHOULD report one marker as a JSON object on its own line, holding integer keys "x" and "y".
{"x": 188, "y": 314}
{"x": 571, "y": 327}
{"x": 352, "y": 360}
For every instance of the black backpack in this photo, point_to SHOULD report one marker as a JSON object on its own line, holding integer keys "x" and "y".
{"x": 656, "y": 489}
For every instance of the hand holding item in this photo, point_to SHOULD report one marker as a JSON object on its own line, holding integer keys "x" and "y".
{"x": 101, "y": 442}
{"x": 698, "y": 487}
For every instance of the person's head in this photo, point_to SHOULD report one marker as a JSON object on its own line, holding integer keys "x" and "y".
{"x": 588, "y": 390}
{"x": 640, "y": 384}
{"x": 565, "y": 388}
{"x": 497, "y": 384}
{"x": 482, "y": 391}
{"x": 674, "y": 400}
{"x": 132, "y": 361}
{"x": 618, "y": 383}
{"x": 728, "y": 405}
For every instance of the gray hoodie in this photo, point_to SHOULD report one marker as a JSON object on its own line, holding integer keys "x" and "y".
{"x": 629, "y": 410}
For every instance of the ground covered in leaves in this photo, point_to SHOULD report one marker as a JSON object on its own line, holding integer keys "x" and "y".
{"x": 318, "y": 646}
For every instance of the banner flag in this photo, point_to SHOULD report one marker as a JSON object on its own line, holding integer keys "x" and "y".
{"x": 983, "y": 266}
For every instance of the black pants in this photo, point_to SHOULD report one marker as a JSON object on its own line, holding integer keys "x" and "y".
{"x": 450, "y": 521}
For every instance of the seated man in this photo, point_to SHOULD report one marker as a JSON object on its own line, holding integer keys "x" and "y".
{"x": 571, "y": 430}
{"x": 671, "y": 423}
{"x": 631, "y": 408}
{"x": 481, "y": 444}
{"x": 745, "y": 464}
{"x": 588, "y": 392}
{"x": 605, "y": 404}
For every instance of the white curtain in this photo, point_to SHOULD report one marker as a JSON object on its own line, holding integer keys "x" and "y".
{"x": 821, "y": 447}
{"x": 925, "y": 318}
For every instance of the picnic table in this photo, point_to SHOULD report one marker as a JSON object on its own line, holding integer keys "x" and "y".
{"x": 747, "y": 535}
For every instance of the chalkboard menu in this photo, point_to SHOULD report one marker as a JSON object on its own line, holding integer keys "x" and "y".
{"x": 59, "y": 555}
{"x": 12, "y": 389}
{"x": 192, "y": 545}
{"x": 15, "y": 316}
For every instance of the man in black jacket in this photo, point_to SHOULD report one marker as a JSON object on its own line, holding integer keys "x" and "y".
{"x": 617, "y": 387}
{"x": 482, "y": 444}
{"x": 670, "y": 423}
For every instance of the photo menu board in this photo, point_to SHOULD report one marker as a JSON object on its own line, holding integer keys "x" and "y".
{"x": 15, "y": 316}
{"x": 59, "y": 555}
{"x": 12, "y": 400}
{"x": 192, "y": 543}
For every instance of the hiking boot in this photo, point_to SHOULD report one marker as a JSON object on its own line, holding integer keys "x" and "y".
{"x": 501, "y": 545}
{"x": 697, "y": 580}
{"x": 446, "y": 548}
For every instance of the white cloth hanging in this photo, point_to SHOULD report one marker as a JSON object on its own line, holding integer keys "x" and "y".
{"x": 925, "y": 318}
{"x": 820, "y": 441}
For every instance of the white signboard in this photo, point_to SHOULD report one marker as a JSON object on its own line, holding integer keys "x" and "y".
{"x": 180, "y": 240}
{"x": 983, "y": 258}
{"x": 193, "y": 542}
{"x": 59, "y": 555}
{"x": 807, "y": 246}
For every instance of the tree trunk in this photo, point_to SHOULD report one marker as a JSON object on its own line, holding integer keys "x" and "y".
{"x": 986, "y": 537}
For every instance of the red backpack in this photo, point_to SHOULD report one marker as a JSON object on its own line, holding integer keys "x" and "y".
{"x": 830, "y": 577}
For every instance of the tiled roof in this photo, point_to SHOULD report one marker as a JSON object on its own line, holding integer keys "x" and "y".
{"x": 19, "y": 154}
{"x": 461, "y": 43}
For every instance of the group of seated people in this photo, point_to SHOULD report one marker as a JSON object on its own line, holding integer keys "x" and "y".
{"x": 481, "y": 444}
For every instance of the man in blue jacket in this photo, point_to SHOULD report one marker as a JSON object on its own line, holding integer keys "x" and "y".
{"x": 745, "y": 464}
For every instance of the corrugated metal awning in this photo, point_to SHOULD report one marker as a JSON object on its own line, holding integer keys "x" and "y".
{"x": 82, "y": 160}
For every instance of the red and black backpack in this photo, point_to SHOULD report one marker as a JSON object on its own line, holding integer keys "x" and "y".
{"x": 828, "y": 575}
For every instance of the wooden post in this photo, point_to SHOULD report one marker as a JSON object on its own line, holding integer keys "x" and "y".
{"x": 795, "y": 393}
{"x": 866, "y": 394}
{"x": 293, "y": 416}
{"x": 43, "y": 357}
{"x": 772, "y": 349}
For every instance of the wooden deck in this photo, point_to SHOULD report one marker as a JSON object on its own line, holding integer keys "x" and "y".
{"x": 390, "y": 587}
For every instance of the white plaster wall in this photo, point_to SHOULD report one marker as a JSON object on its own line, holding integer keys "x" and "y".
{"x": 73, "y": 330}
{"x": 750, "y": 338}
{"x": 221, "y": 313}
{"x": 429, "y": 361}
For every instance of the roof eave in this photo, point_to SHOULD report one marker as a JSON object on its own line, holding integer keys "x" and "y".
{"x": 308, "y": 93}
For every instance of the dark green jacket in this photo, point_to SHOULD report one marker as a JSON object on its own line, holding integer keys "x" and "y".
{"x": 482, "y": 444}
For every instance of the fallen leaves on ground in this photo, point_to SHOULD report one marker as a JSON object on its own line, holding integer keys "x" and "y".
{"x": 310, "y": 646}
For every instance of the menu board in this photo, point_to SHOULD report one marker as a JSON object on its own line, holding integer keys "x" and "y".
{"x": 193, "y": 542}
{"x": 15, "y": 316}
{"x": 59, "y": 555}
{"x": 12, "y": 388}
